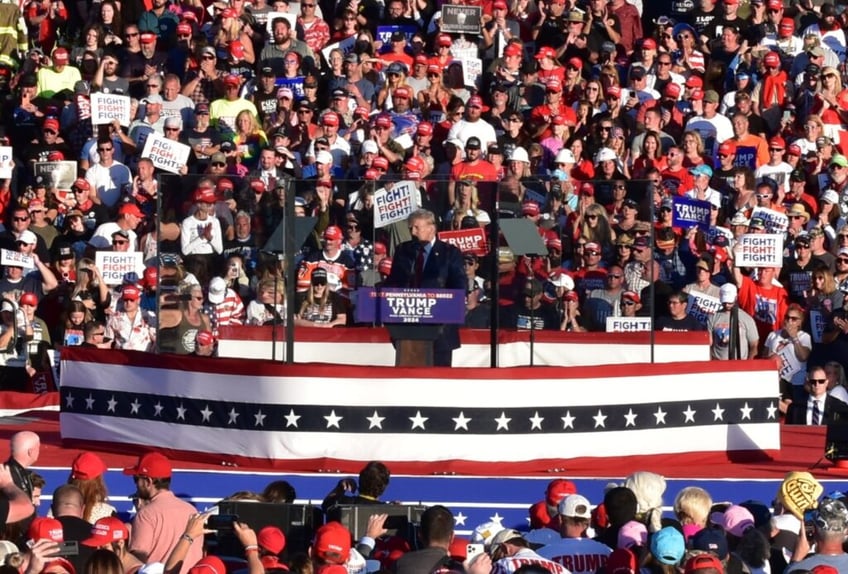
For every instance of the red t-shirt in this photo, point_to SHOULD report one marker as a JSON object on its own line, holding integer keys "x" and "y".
{"x": 481, "y": 170}
{"x": 767, "y": 305}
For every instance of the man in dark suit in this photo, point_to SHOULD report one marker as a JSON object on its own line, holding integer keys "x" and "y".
{"x": 426, "y": 262}
{"x": 817, "y": 407}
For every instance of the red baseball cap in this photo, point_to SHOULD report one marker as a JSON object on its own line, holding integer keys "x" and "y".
{"x": 237, "y": 49}
{"x": 205, "y": 195}
{"x": 787, "y": 25}
{"x": 545, "y": 52}
{"x": 794, "y": 150}
{"x": 777, "y": 142}
{"x": 130, "y": 209}
{"x": 51, "y": 124}
{"x": 444, "y": 40}
{"x": 81, "y": 183}
{"x": 330, "y": 119}
{"x": 421, "y": 59}
{"x": 209, "y": 564}
{"x": 381, "y": 163}
{"x": 29, "y": 298}
{"x": 232, "y": 80}
{"x": 576, "y": 62}
{"x": 106, "y": 531}
{"x": 774, "y": 5}
{"x": 694, "y": 82}
{"x": 332, "y": 543}
{"x": 558, "y": 488}
{"x": 86, "y": 465}
{"x": 333, "y": 232}
{"x": 183, "y": 28}
{"x": 672, "y": 90}
{"x": 772, "y": 60}
{"x": 130, "y": 292}
{"x": 151, "y": 465}
{"x": 383, "y": 121}
{"x": 371, "y": 175}
{"x": 271, "y": 539}
{"x": 727, "y": 148}
{"x": 613, "y": 91}
{"x": 649, "y": 44}
{"x": 554, "y": 85}
{"x": 205, "y": 338}
{"x": 587, "y": 189}
{"x": 475, "y": 102}
{"x": 61, "y": 56}
{"x": 385, "y": 266}
{"x": 425, "y": 129}
{"x": 44, "y": 528}
{"x": 147, "y": 38}
{"x": 696, "y": 94}
{"x": 402, "y": 92}
{"x": 530, "y": 208}
{"x": 512, "y": 49}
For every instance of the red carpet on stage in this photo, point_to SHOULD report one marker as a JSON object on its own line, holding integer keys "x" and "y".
{"x": 802, "y": 447}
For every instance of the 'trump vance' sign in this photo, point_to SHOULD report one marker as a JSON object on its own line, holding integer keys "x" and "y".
{"x": 425, "y": 306}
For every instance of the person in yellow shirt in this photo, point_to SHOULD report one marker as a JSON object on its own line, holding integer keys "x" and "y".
{"x": 59, "y": 77}
{"x": 223, "y": 111}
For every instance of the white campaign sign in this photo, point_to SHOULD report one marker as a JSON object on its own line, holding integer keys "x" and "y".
{"x": 759, "y": 250}
{"x": 16, "y": 259}
{"x": 108, "y": 107}
{"x": 775, "y": 221}
{"x": 114, "y": 265}
{"x": 7, "y": 164}
{"x": 472, "y": 69}
{"x": 789, "y": 364}
{"x": 165, "y": 154}
{"x": 628, "y": 324}
{"x": 346, "y": 46}
{"x": 395, "y": 204}
{"x": 702, "y": 306}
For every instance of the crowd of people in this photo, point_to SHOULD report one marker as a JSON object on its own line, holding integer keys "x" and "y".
{"x": 625, "y": 533}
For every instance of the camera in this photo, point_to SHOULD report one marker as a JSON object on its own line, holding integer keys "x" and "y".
{"x": 222, "y": 521}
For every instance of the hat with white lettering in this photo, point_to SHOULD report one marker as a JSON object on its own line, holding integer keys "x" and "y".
{"x": 727, "y": 293}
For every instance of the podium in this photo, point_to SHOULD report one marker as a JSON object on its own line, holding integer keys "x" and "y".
{"x": 414, "y": 344}
{"x": 414, "y": 317}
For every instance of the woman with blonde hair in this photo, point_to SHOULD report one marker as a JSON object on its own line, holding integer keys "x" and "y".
{"x": 232, "y": 30}
{"x": 269, "y": 307}
{"x": 395, "y": 78}
{"x": 318, "y": 306}
{"x": 616, "y": 142}
{"x": 594, "y": 225}
{"x": 692, "y": 506}
{"x": 467, "y": 203}
{"x": 74, "y": 318}
{"x": 91, "y": 289}
{"x": 823, "y": 295}
{"x": 693, "y": 149}
{"x": 249, "y": 138}
{"x": 87, "y": 474}
{"x": 829, "y": 90}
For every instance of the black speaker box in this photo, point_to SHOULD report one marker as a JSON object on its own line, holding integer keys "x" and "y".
{"x": 297, "y": 521}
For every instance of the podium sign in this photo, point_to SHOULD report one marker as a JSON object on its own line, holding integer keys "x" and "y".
{"x": 410, "y": 306}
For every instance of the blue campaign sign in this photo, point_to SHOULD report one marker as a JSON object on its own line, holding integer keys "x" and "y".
{"x": 422, "y": 306}
{"x": 384, "y": 33}
{"x": 294, "y": 84}
{"x": 691, "y": 212}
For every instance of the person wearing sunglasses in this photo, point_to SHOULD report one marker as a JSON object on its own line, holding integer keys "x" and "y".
{"x": 814, "y": 405}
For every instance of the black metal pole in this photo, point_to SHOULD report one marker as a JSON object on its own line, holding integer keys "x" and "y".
{"x": 653, "y": 283}
{"x": 290, "y": 273}
{"x": 494, "y": 315}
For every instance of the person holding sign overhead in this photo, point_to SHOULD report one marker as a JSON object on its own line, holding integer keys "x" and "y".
{"x": 427, "y": 262}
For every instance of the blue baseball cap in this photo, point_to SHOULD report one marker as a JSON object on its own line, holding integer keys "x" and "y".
{"x": 702, "y": 169}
